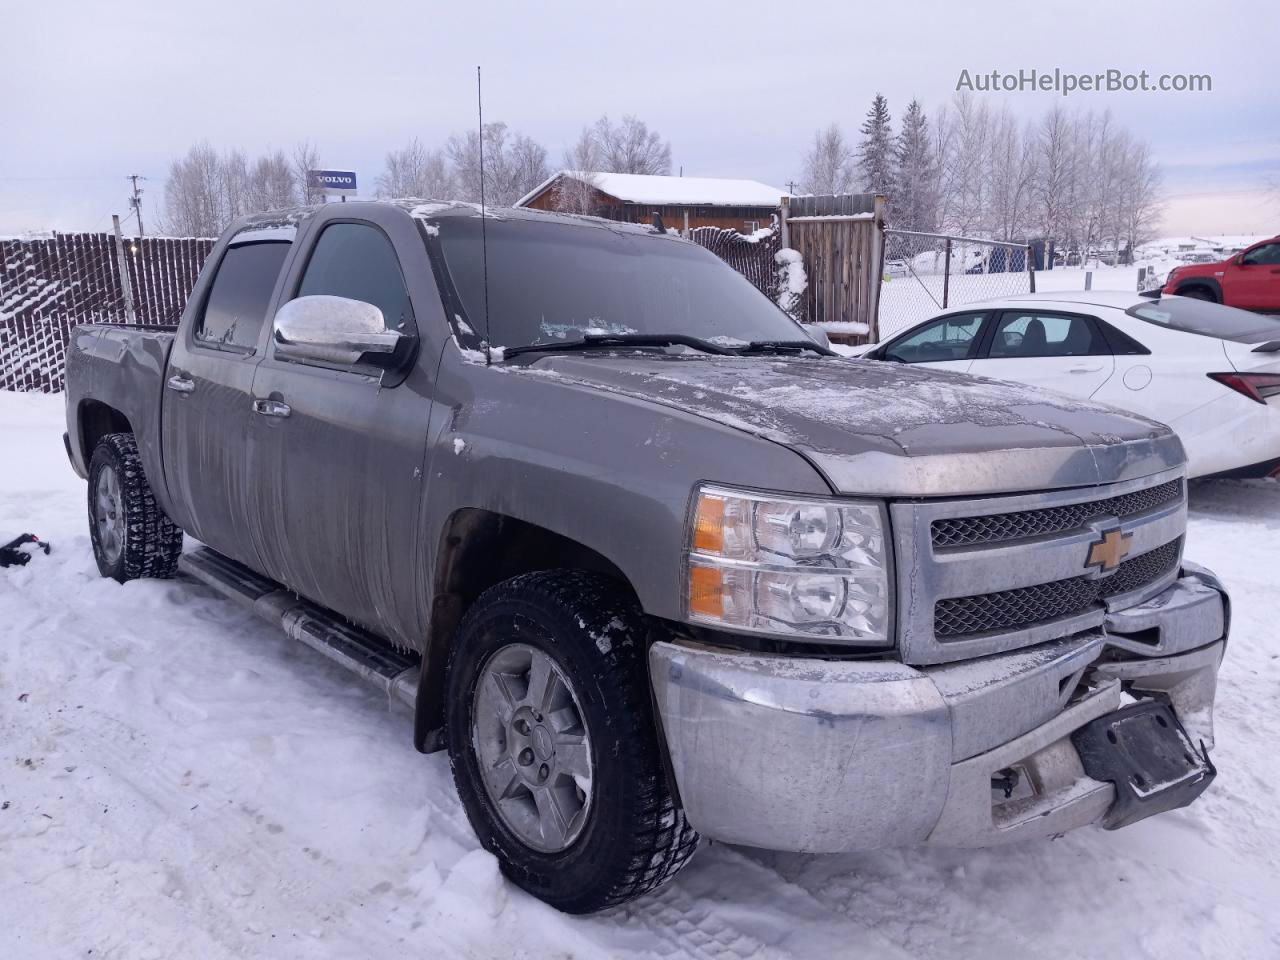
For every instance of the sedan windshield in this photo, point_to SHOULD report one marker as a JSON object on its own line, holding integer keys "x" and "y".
{"x": 551, "y": 282}
{"x": 1208, "y": 319}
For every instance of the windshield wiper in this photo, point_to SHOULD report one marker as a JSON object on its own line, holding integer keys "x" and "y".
{"x": 594, "y": 340}
{"x": 786, "y": 346}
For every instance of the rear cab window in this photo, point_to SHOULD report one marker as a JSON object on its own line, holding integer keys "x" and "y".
{"x": 235, "y": 308}
{"x": 1206, "y": 319}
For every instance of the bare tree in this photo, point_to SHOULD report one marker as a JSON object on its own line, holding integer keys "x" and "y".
{"x": 966, "y": 127}
{"x": 631, "y": 147}
{"x": 306, "y": 157}
{"x": 512, "y": 165}
{"x": 415, "y": 171}
{"x": 271, "y": 183}
{"x": 575, "y": 192}
{"x": 1055, "y": 169}
{"x": 829, "y": 164}
{"x": 1141, "y": 206}
{"x": 235, "y": 183}
{"x": 1012, "y": 168}
{"x": 194, "y": 202}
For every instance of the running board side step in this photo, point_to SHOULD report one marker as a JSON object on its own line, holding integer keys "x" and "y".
{"x": 361, "y": 652}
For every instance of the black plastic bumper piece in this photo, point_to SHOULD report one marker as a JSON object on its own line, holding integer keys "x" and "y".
{"x": 1146, "y": 753}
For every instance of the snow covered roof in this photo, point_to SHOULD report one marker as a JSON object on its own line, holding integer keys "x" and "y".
{"x": 684, "y": 191}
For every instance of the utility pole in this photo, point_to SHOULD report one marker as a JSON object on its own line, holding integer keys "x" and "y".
{"x": 791, "y": 186}
{"x": 135, "y": 200}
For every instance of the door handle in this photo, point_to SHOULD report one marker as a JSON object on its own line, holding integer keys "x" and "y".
{"x": 180, "y": 384}
{"x": 271, "y": 408}
{"x": 1083, "y": 369}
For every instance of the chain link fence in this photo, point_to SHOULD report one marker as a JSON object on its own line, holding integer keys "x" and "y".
{"x": 925, "y": 273}
{"x": 48, "y": 285}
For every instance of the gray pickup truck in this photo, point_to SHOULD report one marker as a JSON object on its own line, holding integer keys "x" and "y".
{"x": 648, "y": 560}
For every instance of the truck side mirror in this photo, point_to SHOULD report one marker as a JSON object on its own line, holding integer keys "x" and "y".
{"x": 332, "y": 329}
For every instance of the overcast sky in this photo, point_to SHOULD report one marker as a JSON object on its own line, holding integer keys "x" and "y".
{"x": 94, "y": 92}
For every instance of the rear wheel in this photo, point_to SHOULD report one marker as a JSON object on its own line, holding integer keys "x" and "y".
{"x": 553, "y": 745}
{"x": 132, "y": 537}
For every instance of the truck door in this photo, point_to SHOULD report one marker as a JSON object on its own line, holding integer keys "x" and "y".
{"x": 206, "y": 396}
{"x": 338, "y": 450}
{"x": 1064, "y": 352}
{"x": 1254, "y": 282}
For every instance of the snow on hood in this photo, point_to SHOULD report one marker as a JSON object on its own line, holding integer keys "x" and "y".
{"x": 889, "y": 429}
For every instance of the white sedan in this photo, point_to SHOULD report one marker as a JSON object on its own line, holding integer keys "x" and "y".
{"x": 1210, "y": 372}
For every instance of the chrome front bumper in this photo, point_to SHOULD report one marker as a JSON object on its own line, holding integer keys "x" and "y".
{"x": 823, "y": 756}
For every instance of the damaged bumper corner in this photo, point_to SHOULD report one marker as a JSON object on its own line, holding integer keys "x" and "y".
{"x": 814, "y": 755}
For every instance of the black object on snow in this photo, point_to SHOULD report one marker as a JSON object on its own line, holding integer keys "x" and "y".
{"x": 11, "y": 556}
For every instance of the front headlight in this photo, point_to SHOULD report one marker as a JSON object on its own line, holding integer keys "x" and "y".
{"x": 812, "y": 569}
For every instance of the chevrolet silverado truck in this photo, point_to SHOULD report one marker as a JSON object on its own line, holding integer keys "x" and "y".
{"x": 648, "y": 560}
{"x": 1249, "y": 280}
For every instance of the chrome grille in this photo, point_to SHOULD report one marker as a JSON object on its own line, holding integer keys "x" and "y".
{"x": 1026, "y": 606}
{"x": 995, "y": 528}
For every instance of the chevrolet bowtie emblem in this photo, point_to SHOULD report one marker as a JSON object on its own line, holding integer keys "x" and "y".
{"x": 1107, "y": 553}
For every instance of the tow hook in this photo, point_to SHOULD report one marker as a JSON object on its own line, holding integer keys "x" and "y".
{"x": 1006, "y": 780}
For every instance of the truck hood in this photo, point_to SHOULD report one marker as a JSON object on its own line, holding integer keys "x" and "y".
{"x": 887, "y": 429}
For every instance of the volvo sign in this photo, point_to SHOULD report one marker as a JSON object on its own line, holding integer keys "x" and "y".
{"x": 335, "y": 183}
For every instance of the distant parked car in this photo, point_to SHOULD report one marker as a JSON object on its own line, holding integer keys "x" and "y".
{"x": 1210, "y": 372}
{"x": 1249, "y": 280}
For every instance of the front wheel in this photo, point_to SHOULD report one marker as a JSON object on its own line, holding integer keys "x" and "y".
{"x": 553, "y": 745}
{"x": 1199, "y": 293}
{"x": 132, "y": 537}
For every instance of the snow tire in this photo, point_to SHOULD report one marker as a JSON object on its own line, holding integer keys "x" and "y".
{"x": 146, "y": 543}
{"x": 635, "y": 838}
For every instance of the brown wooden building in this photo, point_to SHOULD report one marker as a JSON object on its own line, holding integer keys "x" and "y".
{"x": 742, "y": 205}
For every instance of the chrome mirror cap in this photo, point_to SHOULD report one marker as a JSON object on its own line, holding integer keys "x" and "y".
{"x": 333, "y": 329}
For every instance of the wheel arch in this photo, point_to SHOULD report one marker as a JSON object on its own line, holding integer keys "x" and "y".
{"x": 1201, "y": 283}
{"x": 479, "y": 548}
{"x": 94, "y": 420}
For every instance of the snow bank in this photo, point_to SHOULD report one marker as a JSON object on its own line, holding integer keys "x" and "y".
{"x": 792, "y": 279}
{"x": 178, "y": 780}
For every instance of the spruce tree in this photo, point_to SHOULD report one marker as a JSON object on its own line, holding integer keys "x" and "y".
{"x": 875, "y": 155}
{"x": 915, "y": 174}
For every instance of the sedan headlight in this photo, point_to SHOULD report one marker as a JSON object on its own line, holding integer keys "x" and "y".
{"x": 812, "y": 569}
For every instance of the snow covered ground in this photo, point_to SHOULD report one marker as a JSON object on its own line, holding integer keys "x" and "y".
{"x": 177, "y": 780}
{"x": 906, "y": 300}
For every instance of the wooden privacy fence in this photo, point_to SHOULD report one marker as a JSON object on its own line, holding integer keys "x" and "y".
{"x": 49, "y": 285}
{"x": 752, "y": 255}
{"x": 841, "y": 240}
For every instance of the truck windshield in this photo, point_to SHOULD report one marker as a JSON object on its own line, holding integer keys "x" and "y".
{"x": 1208, "y": 319}
{"x": 553, "y": 281}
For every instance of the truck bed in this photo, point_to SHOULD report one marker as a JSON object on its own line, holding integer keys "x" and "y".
{"x": 122, "y": 367}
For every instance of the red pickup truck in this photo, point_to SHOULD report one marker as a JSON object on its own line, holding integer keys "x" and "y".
{"x": 1249, "y": 280}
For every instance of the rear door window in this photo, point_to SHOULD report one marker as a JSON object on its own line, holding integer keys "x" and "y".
{"x": 236, "y": 307}
{"x": 1046, "y": 335}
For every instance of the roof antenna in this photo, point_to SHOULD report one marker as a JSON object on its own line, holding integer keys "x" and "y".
{"x": 484, "y": 245}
